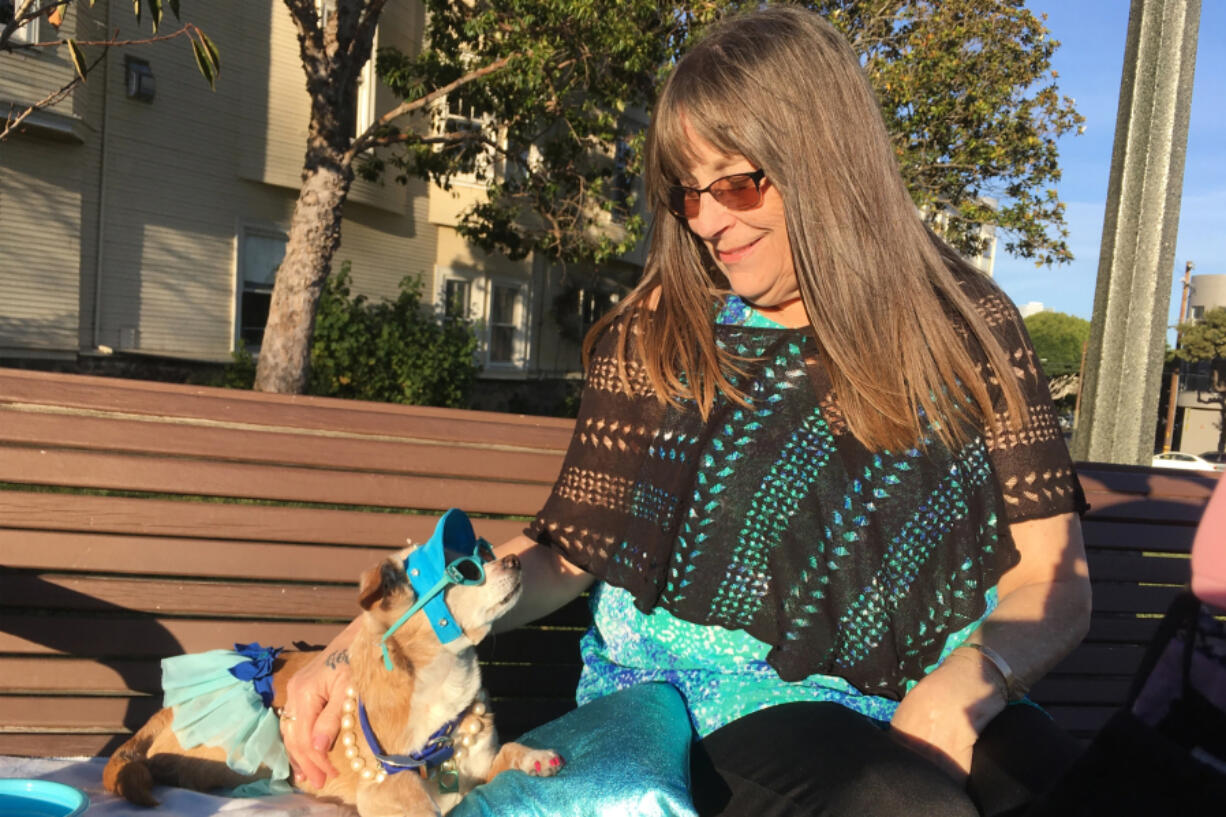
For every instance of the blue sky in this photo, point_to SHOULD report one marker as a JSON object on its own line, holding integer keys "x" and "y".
{"x": 1089, "y": 61}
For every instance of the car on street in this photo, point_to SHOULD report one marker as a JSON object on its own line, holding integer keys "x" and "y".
{"x": 1212, "y": 461}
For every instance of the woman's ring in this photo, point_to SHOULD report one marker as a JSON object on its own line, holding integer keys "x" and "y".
{"x": 285, "y": 715}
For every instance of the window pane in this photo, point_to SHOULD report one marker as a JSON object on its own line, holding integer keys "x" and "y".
{"x": 502, "y": 310}
{"x": 502, "y": 343}
{"x": 261, "y": 256}
{"x": 255, "y": 315}
{"x": 456, "y": 299}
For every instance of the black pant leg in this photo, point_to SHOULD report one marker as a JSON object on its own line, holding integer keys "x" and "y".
{"x": 1020, "y": 755}
{"x": 811, "y": 759}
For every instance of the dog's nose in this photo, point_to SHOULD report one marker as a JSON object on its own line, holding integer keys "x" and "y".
{"x": 511, "y": 561}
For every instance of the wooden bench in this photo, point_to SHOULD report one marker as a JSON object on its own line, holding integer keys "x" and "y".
{"x": 140, "y": 520}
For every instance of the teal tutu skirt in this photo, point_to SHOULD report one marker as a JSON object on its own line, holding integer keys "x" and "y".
{"x": 214, "y": 707}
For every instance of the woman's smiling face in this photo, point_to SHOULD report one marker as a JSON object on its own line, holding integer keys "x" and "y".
{"x": 750, "y": 247}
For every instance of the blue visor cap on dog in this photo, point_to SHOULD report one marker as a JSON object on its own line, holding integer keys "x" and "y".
{"x": 453, "y": 555}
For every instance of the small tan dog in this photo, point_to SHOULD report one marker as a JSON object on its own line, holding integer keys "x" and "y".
{"x": 431, "y": 736}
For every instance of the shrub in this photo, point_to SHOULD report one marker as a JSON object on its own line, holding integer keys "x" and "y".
{"x": 395, "y": 351}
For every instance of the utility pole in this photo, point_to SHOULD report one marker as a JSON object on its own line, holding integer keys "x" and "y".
{"x": 1132, "y": 298}
{"x": 1172, "y": 397}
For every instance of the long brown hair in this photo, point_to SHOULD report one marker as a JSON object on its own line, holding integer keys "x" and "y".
{"x": 782, "y": 88}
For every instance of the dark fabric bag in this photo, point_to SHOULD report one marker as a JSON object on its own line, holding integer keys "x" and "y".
{"x": 1164, "y": 752}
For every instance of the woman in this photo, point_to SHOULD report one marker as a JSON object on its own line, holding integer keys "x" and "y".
{"x": 835, "y": 510}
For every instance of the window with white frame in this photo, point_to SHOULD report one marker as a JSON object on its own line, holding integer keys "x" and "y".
{"x": 476, "y": 158}
{"x": 364, "y": 104}
{"x": 498, "y": 309}
{"x": 24, "y": 34}
{"x": 260, "y": 253}
{"x": 504, "y": 320}
{"x": 457, "y": 299}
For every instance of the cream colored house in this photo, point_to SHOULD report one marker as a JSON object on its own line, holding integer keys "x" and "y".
{"x": 145, "y": 214}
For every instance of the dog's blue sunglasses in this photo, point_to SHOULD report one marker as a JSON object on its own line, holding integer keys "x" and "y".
{"x": 453, "y": 555}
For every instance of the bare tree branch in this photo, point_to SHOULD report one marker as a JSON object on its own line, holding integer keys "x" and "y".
{"x": 12, "y": 122}
{"x": 23, "y": 15}
{"x": 365, "y": 140}
{"x": 310, "y": 32}
{"x": 367, "y": 21}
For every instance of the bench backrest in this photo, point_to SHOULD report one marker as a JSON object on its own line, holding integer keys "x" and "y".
{"x": 1139, "y": 534}
{"x": 140, "y": 520}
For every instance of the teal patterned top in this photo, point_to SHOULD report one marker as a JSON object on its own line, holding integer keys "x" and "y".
{"x": 757, "y": 552}
{"x": 722, "y": 673}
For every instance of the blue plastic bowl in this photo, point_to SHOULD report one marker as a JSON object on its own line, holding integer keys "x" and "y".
{"x": 21, "y": 797}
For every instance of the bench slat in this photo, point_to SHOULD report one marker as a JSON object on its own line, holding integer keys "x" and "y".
{"x": 105, "y": 636}
{"x": 1069, "y": 690}
{"x": 181, "y": 598}
{"x": 144, "y": 437}
{"x": 1107, "y": 628}
{"x": 66, "y": 675}
{"x": 53, "y": 744}
{"x": 286, "y": 411}
{"x": 1144, "y": 482}
{"x": 167, "y": 475}
{"x": 73, "y": 712}
{"x": 155, "y": 555}
{"x": 1113, "y": 597}
{"x": 1102, "y": 659}
{"x": 1127, "y": 507}
{"x": 1130, "y": 566}
{"x": 210, "y": 521}
{"x": 1155, "y": 536}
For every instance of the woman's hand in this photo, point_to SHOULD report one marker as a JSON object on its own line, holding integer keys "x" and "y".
{"x": 311, "y": 717}
{"x": 942, "y": 716}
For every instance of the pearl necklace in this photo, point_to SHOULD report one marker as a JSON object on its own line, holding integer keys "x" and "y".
{"x": 466, "y": 734}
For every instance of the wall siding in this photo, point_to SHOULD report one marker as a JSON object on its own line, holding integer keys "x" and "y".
{"x": 39, "y": 245}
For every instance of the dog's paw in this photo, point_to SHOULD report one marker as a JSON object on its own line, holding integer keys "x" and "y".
{"x": 541, "y": 762}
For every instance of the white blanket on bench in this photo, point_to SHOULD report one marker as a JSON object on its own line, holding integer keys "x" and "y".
{"x": 86, "y": 774}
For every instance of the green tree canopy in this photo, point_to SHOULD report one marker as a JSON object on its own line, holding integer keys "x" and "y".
{"x": 1204, "y": 339}
{"x": 968, "y": 92}
{"x": 556, "y": 91}
{"x": 1058, "y": 339}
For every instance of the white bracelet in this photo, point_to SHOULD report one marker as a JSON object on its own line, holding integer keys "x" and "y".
{"x": 1014, "y": 689}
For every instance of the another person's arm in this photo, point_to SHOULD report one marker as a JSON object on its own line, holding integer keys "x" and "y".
{"x": 316, "y": 692}
{"x": 1042, "y": 614}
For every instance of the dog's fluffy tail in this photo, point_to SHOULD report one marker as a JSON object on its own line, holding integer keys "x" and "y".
{"x": 127, "y": 773}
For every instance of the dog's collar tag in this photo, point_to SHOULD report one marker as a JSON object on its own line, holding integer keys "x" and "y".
{"x": 427, "y": 571}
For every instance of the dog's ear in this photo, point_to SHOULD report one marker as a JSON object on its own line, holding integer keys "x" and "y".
{"x": 379, "y": 582}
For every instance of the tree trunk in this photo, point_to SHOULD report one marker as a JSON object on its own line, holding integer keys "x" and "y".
{"x": 315, "y": 233}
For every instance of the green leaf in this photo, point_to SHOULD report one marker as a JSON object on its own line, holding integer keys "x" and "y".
{"x": 174, "y": 7}
{"x": 78, "y": 59}
{"x": 202, "y": 62}
{"x": 155, "y": 13}
{"x": 211, "y": 50}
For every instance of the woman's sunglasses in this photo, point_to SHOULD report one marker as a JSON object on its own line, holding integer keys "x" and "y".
{"x": 740, "y": 191}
